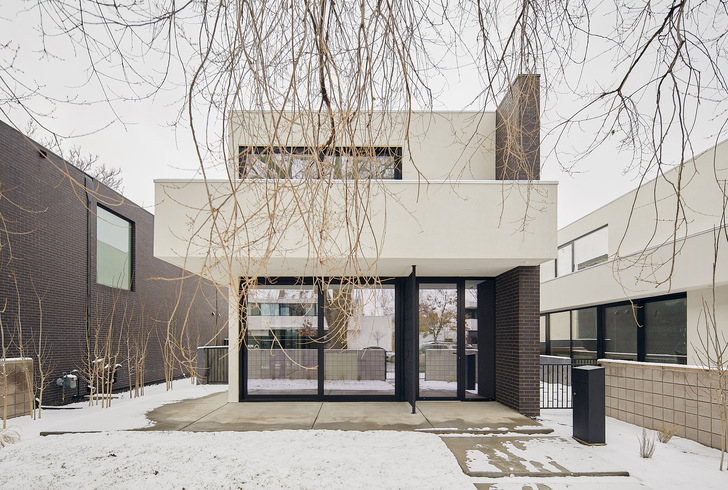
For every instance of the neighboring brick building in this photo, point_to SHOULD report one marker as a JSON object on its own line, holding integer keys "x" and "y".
{"x": 49, "y": 241}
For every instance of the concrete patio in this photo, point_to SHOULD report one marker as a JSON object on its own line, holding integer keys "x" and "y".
{"x": 466, "y": 428}
{"x": 214, "y": 413}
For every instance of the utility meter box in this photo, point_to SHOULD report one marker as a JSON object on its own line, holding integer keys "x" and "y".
{"x": 68, "y": 381}
{"x": 588, "y": 400}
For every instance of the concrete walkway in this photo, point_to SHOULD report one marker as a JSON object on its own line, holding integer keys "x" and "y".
{"x": 213, "y": 413}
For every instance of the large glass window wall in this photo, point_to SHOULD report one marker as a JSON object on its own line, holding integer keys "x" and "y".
{"x": 291, "y": 329}
{"x": 661, "y": 338}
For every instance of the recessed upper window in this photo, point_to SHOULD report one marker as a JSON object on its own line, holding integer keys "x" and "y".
{"x": 586, "y": 251}
{"x": 113, "y": 250}
{"x": 303, "y": 163}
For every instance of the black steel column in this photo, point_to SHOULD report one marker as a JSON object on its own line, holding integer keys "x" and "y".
{"x": 410, "y": 322}
{"x": 460, "y": 337}
{"x": 486, "y": 338}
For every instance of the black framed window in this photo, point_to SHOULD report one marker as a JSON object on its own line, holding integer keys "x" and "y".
{"x": 620, "y": 332}
{"x": 259, "y": 162}
{"x": 114, "y": 250}
{"x": 666, "y": 331}
{"x": 650, "y": 330}
{"x": 584, "y": 333}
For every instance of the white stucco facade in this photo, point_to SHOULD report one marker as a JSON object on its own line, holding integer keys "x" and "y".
{"x": 643, "y": 239}
{"x": 445, "y": 213}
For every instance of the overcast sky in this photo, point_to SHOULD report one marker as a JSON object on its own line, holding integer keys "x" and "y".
{"x": 142, "y": 139}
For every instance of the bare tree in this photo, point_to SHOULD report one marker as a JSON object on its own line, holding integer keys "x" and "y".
{"x": 640, "y": 76}
{"x": 437, "y": 313}
{"x": 713, "y": 348}
{"x": 43, "y": 351}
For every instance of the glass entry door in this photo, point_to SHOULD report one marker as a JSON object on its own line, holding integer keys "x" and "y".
{"x": 438, "y": 328}
{"x": 449, "y": 359}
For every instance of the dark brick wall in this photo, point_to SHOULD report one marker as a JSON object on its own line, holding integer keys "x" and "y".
{"x": 518, "y": 131}
{"x": 43, "y": 240}
{"x": 517, "y": 339}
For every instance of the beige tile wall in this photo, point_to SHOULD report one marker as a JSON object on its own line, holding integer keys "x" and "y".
{"x": 650, "y": 395}
{"x": 14, "y": 385}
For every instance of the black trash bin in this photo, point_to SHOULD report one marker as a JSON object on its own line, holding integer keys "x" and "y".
{"x": 587, "y": 389}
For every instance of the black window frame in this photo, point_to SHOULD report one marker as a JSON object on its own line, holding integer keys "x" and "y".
{"x": 132, "y": 248}
{"x": 392, "y": 151}
{"x": 639, "y": 307}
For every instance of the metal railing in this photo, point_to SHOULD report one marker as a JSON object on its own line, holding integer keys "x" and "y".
{"x": 212, "y": 364}
{"x": 556, "y": 382}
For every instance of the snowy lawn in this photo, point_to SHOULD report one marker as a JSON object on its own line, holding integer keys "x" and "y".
{"x": 679, "y": 464}
{"x": 124, "y": 413}
{"x": 304, "y": 459}
{"x": 274, "y": 459}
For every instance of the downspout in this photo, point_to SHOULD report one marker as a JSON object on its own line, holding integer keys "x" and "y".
{"x": 88, "y": 182}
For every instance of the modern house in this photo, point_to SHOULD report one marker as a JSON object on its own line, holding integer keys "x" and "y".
{"x": 78, "y": 281}
{"x": 634, "y": 279}
{"x": 363, "y": 257}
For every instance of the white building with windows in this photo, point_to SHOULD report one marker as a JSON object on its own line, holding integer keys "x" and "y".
{"x": 645, "y": 259}
{"x": 367, "y": 221}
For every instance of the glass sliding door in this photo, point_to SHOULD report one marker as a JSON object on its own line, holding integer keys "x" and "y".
{"x": 282, "y": 340}
{"x": 438, "y": 357}
{"x": 359, "y": 339}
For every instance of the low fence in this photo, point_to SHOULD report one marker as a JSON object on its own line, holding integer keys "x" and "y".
{"x": 653, "y": 395}
{"x": 212, "y": 364}
{"x": 341, "y": 364}
{"x": 556, "y": 380}
{"x": 15, "y": 389}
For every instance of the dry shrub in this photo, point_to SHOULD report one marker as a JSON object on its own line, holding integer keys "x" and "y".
{"x": 666, "y": 431}
{"x": 8, "y": 436}
{"x": 647, "y": 444}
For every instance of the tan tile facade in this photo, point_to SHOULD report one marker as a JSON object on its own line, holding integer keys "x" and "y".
{"x": 14, "y": 387}
{"x": 651, "y": 395}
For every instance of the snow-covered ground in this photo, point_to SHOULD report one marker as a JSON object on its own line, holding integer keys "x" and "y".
{"x": 275, "y": 459}
{"x": 678, "y": 464}
{"x": 302, "y": 459}
{"x": 124, "y": 413}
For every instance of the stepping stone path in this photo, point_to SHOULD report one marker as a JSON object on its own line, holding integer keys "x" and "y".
{"x": 522, "y": 459}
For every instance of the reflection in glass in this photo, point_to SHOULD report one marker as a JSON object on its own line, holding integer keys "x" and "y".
{"x": 113, "y": 250}
{"x": 666, "y": 331}
{"x": 359, "y": 345}
{"x": 620, "y": 333}
{"x": 438, "y": 334}
{"x": 471, "y": 339}
{"x": 282, "y": 339}
{"x": 303, "y": 163}
{"x": 584, "y": 333}
{"x": 560, "y": 330}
